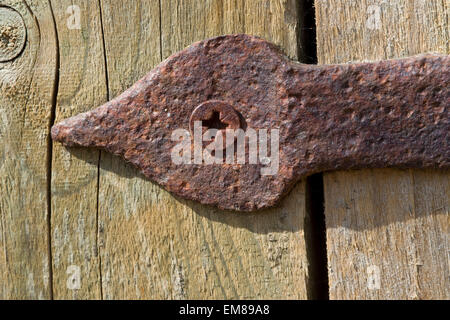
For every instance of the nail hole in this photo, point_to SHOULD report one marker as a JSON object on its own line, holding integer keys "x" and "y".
{"x": 214, "y": 122}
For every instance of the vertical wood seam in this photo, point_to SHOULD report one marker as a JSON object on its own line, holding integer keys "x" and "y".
{"x": 50, "y": 151}
{"x": 314, "y": 225}
{"x": 105, "y": 61}
{"x": 315, "y": 234}
{"x": 160, "y": 31}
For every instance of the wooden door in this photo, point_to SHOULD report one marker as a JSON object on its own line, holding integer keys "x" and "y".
{"x": 387, "y": 230}
{"x": 82, "y": 224}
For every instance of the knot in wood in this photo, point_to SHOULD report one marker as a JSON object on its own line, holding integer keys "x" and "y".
{"x": 12, "y": 34}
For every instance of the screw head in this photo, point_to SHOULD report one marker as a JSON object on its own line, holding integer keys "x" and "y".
{"x": 12, "y": 34}
{"x": 215, "y": 114}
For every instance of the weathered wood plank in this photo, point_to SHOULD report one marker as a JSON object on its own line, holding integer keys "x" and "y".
{"x": 187, "y": 21}
{"x": 156, "y": 246}
{"x": 82, "y": 86}
{"x": 386, "y": 229}
{"x": 27, "y": 86}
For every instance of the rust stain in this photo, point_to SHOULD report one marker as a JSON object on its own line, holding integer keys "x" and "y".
{"x": 392, "y": 113}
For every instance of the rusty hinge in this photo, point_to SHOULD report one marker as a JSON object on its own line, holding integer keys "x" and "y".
{"x": 232, "y": 122}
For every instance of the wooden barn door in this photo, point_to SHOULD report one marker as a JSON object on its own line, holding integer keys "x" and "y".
{"x": 387, "y": 230}
{"x": 82, "y": 224}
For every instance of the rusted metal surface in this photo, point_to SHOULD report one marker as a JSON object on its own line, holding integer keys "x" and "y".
{"x": 392, "y": 113}
{"x": 218, "y": 115}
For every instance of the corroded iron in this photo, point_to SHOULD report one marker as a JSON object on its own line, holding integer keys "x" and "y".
{"x": 218, "y": 115}
{"x": 392, "y": 113}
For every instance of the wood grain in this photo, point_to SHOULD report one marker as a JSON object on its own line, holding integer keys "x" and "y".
{"x": 82, "y": 86}
{"x": 388, "y": 224}
{"x": 154, "y": 245}
{"x": 27, "y": 86}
